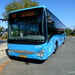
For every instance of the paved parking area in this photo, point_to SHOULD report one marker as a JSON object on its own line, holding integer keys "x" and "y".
{"x": 3, "y": 47}
{"x": 61, "y": 63}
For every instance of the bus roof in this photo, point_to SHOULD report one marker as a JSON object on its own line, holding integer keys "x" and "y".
{"x": 28, "y": 8}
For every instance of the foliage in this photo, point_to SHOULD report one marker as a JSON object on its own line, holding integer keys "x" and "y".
{"x": 18, "y": 4}
{"x": 68, "y": 31}
{"x": 1, "y": 28}
{"x": 6, "y": 35}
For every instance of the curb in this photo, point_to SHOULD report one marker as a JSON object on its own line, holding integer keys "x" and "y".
{"x": 3, "y": 59}
{"x": 3, "y": 62}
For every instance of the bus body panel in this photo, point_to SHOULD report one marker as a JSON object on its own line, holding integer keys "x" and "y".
{"x": 50, "y": 46}
{"x": 33, "y": 48}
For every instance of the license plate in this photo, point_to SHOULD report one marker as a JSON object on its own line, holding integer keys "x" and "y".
{"x": 24, "y": 56}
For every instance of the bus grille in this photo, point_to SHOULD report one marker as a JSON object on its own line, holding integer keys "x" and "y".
{"x": 23, "y": 52}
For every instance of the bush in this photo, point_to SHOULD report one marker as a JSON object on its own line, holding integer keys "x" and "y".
{"x": 6, "y": 35}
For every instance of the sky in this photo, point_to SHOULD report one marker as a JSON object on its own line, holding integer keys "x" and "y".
{"x": 64, "y": 10}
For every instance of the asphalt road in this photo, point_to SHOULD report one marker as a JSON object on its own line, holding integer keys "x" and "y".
{"x": 61, "y": 63}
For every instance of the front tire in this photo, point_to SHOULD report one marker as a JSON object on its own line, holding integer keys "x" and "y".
{"x": 64, "y": 41}
{"x": 55, "y": 48}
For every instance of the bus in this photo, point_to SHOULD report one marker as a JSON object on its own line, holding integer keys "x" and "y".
{"x": 34, "y": 33}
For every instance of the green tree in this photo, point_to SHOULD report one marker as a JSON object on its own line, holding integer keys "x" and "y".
{"x": 68, "y": 31}
{"x": 18, "y": 4}
{"x": 1, "y": 28}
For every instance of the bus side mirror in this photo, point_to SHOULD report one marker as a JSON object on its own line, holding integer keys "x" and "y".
{"x": 48, "y": 18}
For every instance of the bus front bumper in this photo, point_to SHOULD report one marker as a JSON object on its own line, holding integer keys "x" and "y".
{"x": 36, "y": 56}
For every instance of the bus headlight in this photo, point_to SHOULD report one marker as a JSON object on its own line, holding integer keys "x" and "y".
{"x": 9, "y": 51}
{"x": 41, "y": 53}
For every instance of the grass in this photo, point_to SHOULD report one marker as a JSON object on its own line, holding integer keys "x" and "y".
{"x": 70, "y": 35}
{"x": 1, "y": 38}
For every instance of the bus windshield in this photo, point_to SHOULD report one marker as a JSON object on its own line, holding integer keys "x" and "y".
{"x": 27, "y": 25}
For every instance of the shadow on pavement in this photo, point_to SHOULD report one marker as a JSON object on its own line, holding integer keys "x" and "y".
{"x": 6, "y": 51}
{"x": 27, "y": 61}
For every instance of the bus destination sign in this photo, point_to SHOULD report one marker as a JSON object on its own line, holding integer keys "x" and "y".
{"x": 23, "y": 14}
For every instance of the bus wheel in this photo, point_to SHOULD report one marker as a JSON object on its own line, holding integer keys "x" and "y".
{"x": 55, "y": 48}
{"x": 64, "y": 41}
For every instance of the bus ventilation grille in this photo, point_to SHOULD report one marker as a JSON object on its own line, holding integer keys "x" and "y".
{"x": 23, "y": 52}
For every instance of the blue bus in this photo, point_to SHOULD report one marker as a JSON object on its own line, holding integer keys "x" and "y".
{"x": 34, "y": 33}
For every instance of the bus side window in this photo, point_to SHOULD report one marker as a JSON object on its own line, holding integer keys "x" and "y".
{"x": 60, "y": 31}
{"x": 51, "y": 28}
